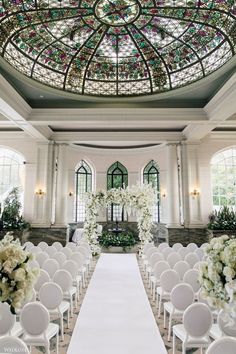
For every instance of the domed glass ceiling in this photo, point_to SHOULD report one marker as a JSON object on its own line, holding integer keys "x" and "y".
{"x": 117, "y": 47}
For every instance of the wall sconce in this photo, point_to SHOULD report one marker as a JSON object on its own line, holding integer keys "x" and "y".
{"x": 71, "y": 194}
{"x": 40, "y": 193}
{"x": 195, "y": 193}
{"x": 163, "y": 195}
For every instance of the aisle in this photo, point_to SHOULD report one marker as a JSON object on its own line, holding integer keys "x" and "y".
{"x": 116, "y": 317}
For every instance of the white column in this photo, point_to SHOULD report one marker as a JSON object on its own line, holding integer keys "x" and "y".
{"x": 173, "y": 206}
{"x": 61, "y": 187}
{"x": 191, "y": 182}
{"x": 44, "y": 170}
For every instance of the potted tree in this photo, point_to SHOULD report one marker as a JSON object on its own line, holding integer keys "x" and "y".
{"x": 11, "y": 218}
{"x": 222, "y": 222}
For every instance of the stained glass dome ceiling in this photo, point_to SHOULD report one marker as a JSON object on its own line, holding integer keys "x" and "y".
{"x": 117, "y": 47}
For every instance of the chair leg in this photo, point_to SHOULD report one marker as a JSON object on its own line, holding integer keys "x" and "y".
{"x": 183, "y": 349}
{"x": 201, "y": 350}
{"x": 62, "y": 327}
{"x": 47, "y": 347}
{"x": 157, "y": 301}
{"x": 68, "y": 318}
{"x": 169, "y": 328}
{"x": 159, "y": 310}
{"x": 57, "y": 344}
{"x": 154, "y": 292}
{"x": 164, "y": 325}
{"x": 173, "y": 344}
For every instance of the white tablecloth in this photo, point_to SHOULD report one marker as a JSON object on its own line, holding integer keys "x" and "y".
{"x": 116, "y": 317}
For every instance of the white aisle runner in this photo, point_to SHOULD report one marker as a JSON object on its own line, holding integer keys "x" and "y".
{"x": 116, "y": 317}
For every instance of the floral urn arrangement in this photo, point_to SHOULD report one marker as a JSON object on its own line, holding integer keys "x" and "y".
{"x": 17, "y": 278}
{"x": 218, "y": 275}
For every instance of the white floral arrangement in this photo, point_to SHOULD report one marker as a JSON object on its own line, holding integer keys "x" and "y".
{"x": 140, "y": 198}
{"x": 17, "y": 279}
{"x": 218, "y": 274}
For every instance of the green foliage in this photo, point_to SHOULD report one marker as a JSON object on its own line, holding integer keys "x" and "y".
{"x": 11, "y": 217}
{"x": 123, "y": 239}
{"x": 224, "y": 219}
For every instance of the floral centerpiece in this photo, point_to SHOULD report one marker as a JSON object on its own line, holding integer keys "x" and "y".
{"x": 17, "y": 279}
{"x": 125, "y": 240}
{"x": 218, "y": 274}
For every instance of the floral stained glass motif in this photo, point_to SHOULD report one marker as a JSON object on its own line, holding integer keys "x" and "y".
{"x": 117, "y": 47}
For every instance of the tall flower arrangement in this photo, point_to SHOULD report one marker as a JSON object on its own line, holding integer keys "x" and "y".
{"x": 16, "y": 277}
{"x": 141, "y": 199}
{"x": 218, "y": 274}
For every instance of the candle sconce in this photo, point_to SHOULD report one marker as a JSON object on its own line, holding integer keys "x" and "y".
{"x": 40, "y": 193}
{"x": 195, "y": 193}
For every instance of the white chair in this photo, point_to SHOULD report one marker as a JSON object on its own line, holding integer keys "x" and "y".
{"x": 57, "y": 245}
{"x": 51, "y": 250}
{"x": 155, "y": 257}
{"x": 71, "y": 267}
{"x": 200, "y": 253}
{"x": 147, "y": 256}
{"x": 159, "y": 268}
{"x": 162, "y": 246}
{"x": 63, "y": 278}
{"x": 192, "y": 247}
{"x": 8, "y": 324}
{"x": 72, "y": 246}
{"x": 204, "y": 245}
{"x": 168, "y": 280}
{"x": 38, "y": 331}
{"x": 181, "y": 297}
{"x": 147, "y": 246}
{"x": 79, "y": 259}
{"x": 226, "y": 345}
{"x": 13, "y": 345}
{"x": 51, "y": 266}
{"x": 167, "y": 251}
{"x": 214, "y": 311}
{"x": 43, "y": 278}
{"x": 35, "y": 250}
{"x": 191, "y": 278}
{"x": 177, "y": 246}
{"x": 60, "y": 258}
{"x": 222, "y": 327}
{"x": 183, "y": 252}
{"x": 43, "y": 245}
{"x": 191, "y": 258}
{"x": 194, "y": 332}
{"x": 173, "y": 258}
{"x": 51, "y": 296}
{"x": 197, "y": 265}
{"x": 78, "y": 235}
{"x": 28, "y": 246}
{"x": 67, "y": 252}
{"x": 41, "y": 258}
{"x": 87, "y": 258}
{"x": 181, "y": 268}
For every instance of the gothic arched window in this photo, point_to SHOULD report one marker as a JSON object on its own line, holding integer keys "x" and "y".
{"x": 151, "y": 175}
{"x": 83, "y": 184}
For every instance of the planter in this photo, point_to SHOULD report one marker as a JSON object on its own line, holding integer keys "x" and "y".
{"x": 114, "y": 249}
{"x": 22, "y": 235}
{"x": 218, "y": 233}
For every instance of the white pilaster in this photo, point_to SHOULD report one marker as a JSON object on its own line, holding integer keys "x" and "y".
{"x": 61, "y": 190}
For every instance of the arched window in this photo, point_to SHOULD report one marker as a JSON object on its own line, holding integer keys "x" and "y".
{"x": 117, "y": 177}
{"x": 151, "y": 175}
{"x": 83, "y": 184}
{"x": 223, "y": 174}
{"x": 11, "y": 172}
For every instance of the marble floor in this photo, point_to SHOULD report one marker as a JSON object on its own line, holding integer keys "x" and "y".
{"x": 68, "y": 332}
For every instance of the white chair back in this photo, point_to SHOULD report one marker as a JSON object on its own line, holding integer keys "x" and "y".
{"x": 83, "y": 250}
{"x": 191, "y": 258}
{"x": 72, "y": 246}
{"x": 41, "y": 258}
{"x": 173, "y": 258}
{"x": 99, "y": 229}
{"x": 200, "y": 253}
{"x": 13, "y": 345}
{"x": 197, "y": 320}
{"x": 60, "y": 258}
{"x": 177, "y": 246}
{"x": 162, "y": 246}
{"x": 168, "y": 280}
{"x": 34, "y": 318}
{"x": 28, "y": 246}
{"x": 191, "y": 278}
{"x": 33, "y": 264}
{"x": 204, "y": 245}
{"x": 78, "y": 258}
{"x": 197, "y": 265}
{"x": 182, "y": 296}
{"x": 67, "y": 252}
{"x": 183, "y": 252}
{"x": 147, "y": 246}
{"x": 7, "y": 319}
{"x": 159, "y": 268}
{"x": 57, "y": 245}
{"x": 227, "y": 329}
{"x": 166, "y": 252}
{"x": 50, "y": 295}
{"x": 51, "y": 250}
{"x": 155, "y": 257}
{"x": 192, "y": 246}
{"x": 35, "y": 250}
{"x": 150, "y": 251}
{"x": 225, "y": 345}
{"x": 181, "y": 268}
{"x": 71, "y": 267}
{"x": 43, "y": 245}
{"x": 43, "y": 278}
{"x": 63, "y": 278}
{"x": 51, "y": 266}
